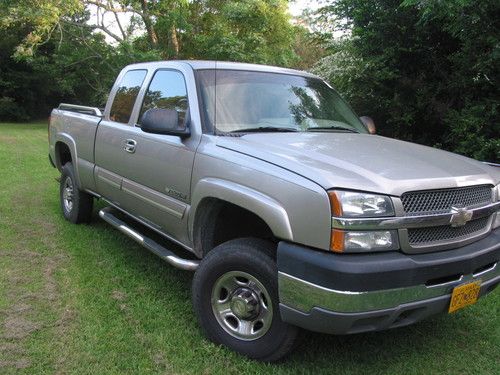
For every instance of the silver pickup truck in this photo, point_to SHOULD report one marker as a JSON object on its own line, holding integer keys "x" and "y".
{"x": 293, "y": 212}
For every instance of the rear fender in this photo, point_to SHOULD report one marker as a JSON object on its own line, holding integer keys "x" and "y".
{"x": 70, "y": 142}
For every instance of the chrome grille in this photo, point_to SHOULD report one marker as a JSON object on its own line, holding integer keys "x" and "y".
{"x": 440, "y": 201}
{"x": 428, "y": 236}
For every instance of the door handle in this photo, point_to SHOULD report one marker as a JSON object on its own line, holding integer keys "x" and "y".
{"x": 130, "y": 145}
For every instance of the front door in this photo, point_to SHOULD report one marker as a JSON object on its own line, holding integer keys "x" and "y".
{"x": 155, "y": 169}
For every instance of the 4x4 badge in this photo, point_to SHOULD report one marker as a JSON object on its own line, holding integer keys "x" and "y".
{"x": 460, "y": 216}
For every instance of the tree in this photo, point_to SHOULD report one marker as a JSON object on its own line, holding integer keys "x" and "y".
{"x": 73, "y": 65}
{"x": 56, "y": 50}
{"x": 38, "y": 19}
{"x": 75, "y": 68}
{"x": 256, "y": 31}
{"x": 244, "y": 30}
{"x": 307, "y": 46}
{"x": 427, "y": 71}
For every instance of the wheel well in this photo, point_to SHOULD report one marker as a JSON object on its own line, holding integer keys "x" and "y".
{"x": 63, "y": 154}
{"x": 218, "y": 221}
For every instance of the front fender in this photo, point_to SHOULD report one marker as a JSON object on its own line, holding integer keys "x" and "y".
{"x": 267, "y": 208}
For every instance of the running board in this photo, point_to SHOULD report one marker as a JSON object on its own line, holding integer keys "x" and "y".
{"x": 168, "y": 256}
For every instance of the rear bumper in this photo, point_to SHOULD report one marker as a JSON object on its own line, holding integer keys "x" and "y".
{"x": 344, "y": 294}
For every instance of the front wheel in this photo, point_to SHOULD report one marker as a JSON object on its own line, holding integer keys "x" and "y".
{"x": 235, "y": 297}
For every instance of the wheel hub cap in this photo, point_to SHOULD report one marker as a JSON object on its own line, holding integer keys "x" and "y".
{"x": 245, "y": 304}
{"x": 68, "y": 194}
{"x": 242, "y": 305}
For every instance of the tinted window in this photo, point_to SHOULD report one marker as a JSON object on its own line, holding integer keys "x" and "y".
{"x": 167, "y": 90}
{"x": 125, "y": 96}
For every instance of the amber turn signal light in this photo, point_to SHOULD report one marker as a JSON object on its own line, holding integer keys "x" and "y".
{"x": 337, "y": 241}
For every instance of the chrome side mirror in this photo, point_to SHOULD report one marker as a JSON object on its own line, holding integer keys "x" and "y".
{"x": 369, "y": 124}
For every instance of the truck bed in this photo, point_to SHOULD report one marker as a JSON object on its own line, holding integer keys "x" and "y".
{"x": 77, "y": 125}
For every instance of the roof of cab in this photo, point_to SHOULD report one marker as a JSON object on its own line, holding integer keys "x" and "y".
{"x": 211, "y": 64}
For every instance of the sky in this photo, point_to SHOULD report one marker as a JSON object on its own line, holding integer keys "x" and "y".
{"x": 297, "y": 6}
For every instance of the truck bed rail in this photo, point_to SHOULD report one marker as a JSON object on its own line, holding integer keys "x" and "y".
{"x": 94, "y": 111}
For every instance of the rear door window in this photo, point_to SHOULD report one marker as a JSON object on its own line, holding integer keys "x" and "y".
{"x": 126, "y": 95}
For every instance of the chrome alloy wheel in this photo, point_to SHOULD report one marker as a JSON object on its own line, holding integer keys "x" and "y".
{"x": 242, "y": 305}
{"x": 68, "y": 194}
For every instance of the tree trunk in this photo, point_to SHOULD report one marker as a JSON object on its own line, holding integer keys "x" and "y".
{"x": 153, "y": 38}
{"x": 174, "y": 41}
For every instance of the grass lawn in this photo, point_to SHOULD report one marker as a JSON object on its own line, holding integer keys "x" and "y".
{"x": 84, "y": 299}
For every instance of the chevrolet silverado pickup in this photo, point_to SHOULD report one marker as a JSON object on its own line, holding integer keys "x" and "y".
{"x": 294, "y": 214}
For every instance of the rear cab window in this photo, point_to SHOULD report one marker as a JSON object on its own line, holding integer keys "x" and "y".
{"x": 167, "y": 90}
{"x": 125, "y": 96}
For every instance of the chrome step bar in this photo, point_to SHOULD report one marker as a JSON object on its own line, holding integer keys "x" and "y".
{"x": 168, "y": 256}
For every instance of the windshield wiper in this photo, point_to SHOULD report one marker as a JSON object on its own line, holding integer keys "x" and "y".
{"x": 331, "y": 128}
{"x": 264, "y": 129}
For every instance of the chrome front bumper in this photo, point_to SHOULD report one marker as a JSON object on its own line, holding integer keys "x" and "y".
{"x": 344, "y": 294}
{"x": 303, "y": 296}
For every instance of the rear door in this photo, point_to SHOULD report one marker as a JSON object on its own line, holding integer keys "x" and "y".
{"x": 111, "y": 136}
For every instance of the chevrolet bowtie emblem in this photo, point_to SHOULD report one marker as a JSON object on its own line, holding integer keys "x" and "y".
{"x": 460, "y": 216}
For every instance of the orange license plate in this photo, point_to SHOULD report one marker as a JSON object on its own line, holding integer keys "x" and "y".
{"x": 464, "y": 295}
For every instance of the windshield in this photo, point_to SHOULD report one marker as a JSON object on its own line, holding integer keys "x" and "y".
{"x": 243, "y": 101}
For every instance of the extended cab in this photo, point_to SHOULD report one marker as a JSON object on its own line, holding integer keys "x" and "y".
{"x": 294, "y": 213}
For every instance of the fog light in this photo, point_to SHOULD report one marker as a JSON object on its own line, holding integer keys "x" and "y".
{"x": 354, "y": 242}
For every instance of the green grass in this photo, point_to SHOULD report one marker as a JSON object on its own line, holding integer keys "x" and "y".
{"x": 85, "y": 299}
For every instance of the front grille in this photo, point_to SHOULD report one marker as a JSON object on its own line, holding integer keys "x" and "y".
{"x": 428, "y": 236}
{"x": 430, "y": 202}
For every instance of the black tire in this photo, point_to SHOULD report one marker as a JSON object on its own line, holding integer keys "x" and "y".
{"x": 253, "y": 257}
{"x": 80, "y": 210}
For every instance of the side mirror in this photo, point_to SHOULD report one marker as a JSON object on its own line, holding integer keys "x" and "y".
{"x": 369, "y": 124}
{"x": 163, "y": 121}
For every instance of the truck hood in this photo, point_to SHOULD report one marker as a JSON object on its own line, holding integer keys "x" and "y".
{"x": 363, "y": 162}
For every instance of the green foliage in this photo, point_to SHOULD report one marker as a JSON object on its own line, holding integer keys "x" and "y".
{"x": 53, "y": 53}
{"x": 427, "y": 71}
{"x": 307, "y": 47}
{"x": 24, "y": 88}
{"x": 475, "y": 130}
{"x": 256, "y": 31}
{"x": 40, "y": 16}
{"x": 77, "y": 69}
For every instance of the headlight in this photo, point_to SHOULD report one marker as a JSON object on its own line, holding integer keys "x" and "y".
{"x": 363, "y": 241}
{"x": 352, "y": 204}
{"x": 355, "y": 204}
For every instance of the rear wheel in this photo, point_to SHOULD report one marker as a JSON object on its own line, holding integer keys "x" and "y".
{"x": 235, "y": 296}
{"x": 75, "y": 204}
